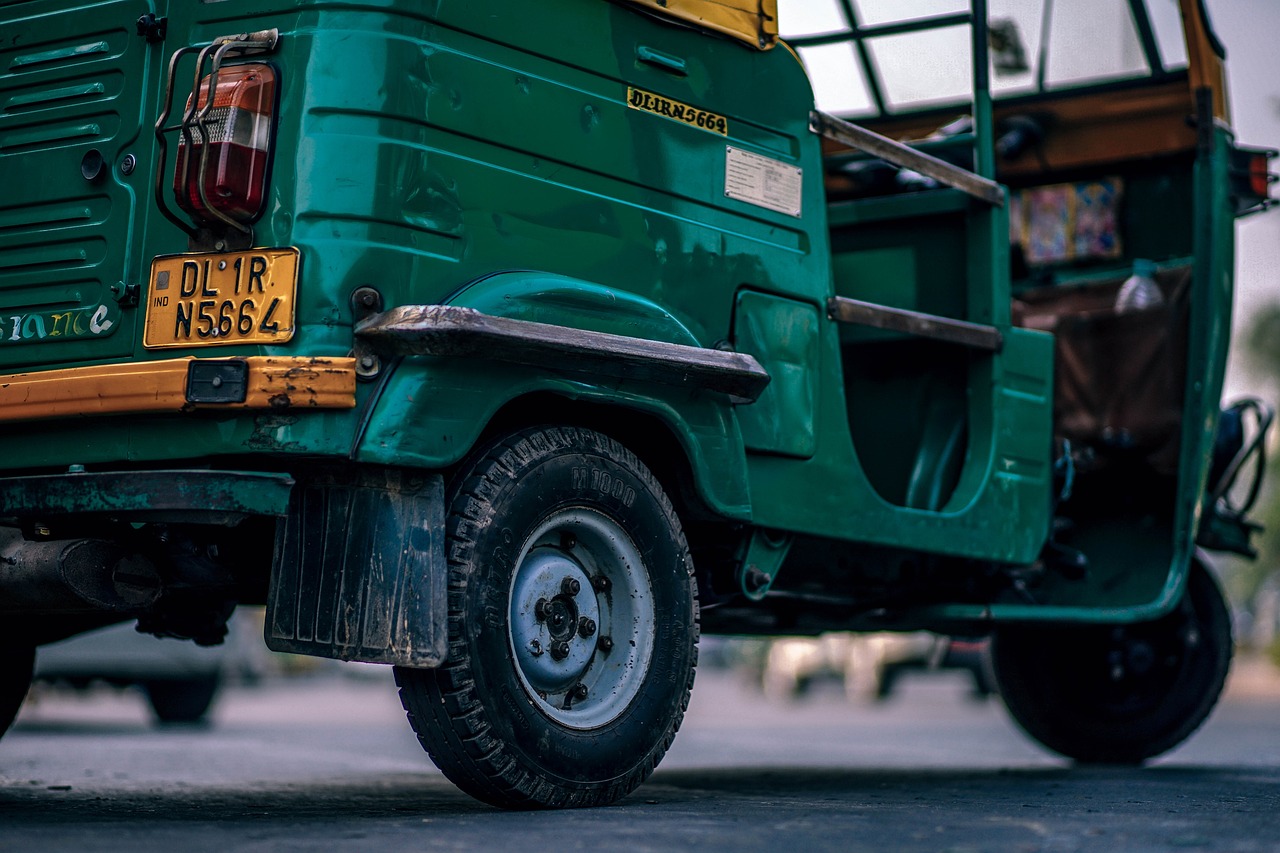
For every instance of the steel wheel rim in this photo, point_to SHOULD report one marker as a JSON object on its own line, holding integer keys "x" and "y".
{"x": 580, "y": 619}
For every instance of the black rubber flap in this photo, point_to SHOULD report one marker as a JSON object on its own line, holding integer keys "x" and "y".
{"x": 360, "y": 570}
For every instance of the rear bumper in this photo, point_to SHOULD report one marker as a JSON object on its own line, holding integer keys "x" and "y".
{"x": 136, "y": 494}
{"x": 270, "y": 382}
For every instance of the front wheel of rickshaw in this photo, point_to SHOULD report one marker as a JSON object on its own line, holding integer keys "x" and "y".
{"x": 572, "y": 625}
{"x": 1119, "y": 694}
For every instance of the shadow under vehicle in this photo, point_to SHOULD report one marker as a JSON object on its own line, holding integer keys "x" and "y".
{"x": 514, "y": 345}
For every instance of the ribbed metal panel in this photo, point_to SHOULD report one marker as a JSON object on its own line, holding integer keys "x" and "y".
{"x": 72, "y": 80}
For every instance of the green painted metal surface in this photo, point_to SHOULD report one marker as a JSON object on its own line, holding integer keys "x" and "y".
{"x": 48, "y": 496}
{"x": 784, "y": 335}
{"x": 442, "y": 153}
{"x": 77, "y": 85}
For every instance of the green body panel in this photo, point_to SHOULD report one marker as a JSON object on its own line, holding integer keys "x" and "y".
{"x": 385, "y": 176}
{"x": 783, "y": 334}
{"x": 999, "y": 509}
{"x": 74, "y": 80}
{"x": 57, "y": 444}
{"x": 1140, "y": 574}
{"x": 432, "y": 410}
{"x": 424, "y": 148}
{"x": 432, "y": 414}
{"x": 442, "y": 152}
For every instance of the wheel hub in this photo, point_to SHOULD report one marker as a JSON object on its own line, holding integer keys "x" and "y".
{"x": 581, "y": 618}
{"x": 544, "y": 621}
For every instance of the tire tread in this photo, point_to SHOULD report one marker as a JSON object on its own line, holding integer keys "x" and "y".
{"x": 443, "y": 706}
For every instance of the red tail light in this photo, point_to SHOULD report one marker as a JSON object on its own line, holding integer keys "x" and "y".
{"x": 1251, "y": 179}
{"x": 237, "y": 134}
{"x": 1259, "y": 178}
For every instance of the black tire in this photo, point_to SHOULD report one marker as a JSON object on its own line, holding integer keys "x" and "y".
{"x": 1119, "y": 694}
{"x": 17, "y": 663}
{"x": 547, "y": 506}
{"x": 182, "y": 700}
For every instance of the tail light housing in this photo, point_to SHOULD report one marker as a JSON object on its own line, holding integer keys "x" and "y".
{"x": 1251, "y": 179}
{"x": 225, "y": 148}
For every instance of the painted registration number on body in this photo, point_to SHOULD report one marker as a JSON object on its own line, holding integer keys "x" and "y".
{"x": 222, "y": 298}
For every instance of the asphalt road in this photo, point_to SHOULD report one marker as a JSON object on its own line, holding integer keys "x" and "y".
{"x": 330, "y": 763}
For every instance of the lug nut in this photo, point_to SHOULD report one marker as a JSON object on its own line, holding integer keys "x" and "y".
{"x": 559, "y": 649}
{"x": 601, "y": 583}
{"x": 580, "y": 691}
{"x": 540, "y": 610}
{"x": 535, "y": 648}
{"x": 604, "y": 644}
{"x": 570, "y": 586}
{"x": 586, "y": 626}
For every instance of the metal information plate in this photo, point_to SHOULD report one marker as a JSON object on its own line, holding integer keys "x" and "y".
{"x": 224, "y": 298}
{"x": 763, "y": 182}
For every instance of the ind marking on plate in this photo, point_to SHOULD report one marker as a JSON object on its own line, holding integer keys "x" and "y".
{"x": 762, "y": 181}
{"x": 639, "y": 99}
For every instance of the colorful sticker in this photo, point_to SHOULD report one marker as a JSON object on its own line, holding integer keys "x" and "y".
{"x": 1097, "y": 233}
{"x": 1068, "y": 222}
{"x": 93, "y": 321}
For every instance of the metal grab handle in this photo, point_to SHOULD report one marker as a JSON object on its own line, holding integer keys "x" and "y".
{"x": 662, "y": 61}
{"x": 1264, "y": 416}
{"x": 906, "y": 157}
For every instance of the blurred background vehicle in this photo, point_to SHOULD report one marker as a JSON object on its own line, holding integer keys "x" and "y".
{"x": 179, "y": 679}
{"x": 868, "y": 666}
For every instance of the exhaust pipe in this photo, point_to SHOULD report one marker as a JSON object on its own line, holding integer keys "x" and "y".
{"x": 73, "y": 575}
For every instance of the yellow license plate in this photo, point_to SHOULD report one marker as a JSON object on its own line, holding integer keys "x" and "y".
{"x": 222, "y": 298}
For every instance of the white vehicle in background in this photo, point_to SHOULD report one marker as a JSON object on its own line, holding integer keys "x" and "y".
{"x": 868, "y": 666}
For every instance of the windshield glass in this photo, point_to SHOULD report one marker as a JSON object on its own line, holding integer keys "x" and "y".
{"x": 869, "y": 57}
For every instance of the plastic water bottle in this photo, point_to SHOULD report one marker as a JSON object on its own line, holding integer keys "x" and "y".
{"x": 1139, "y": 290}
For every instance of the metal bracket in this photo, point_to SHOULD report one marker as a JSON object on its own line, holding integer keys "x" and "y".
{"x": 366, "y": 301}
{"x": 763, "y": 559}
{"x": 151, "y": 28}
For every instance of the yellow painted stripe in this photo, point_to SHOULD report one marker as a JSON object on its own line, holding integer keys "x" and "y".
{"x": 161, "y": 386}
{"x": 752, "y": 21}
{"x": 1204, "y": 66}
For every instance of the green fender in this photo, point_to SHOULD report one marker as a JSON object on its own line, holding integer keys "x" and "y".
{"x": 429, "y": 411}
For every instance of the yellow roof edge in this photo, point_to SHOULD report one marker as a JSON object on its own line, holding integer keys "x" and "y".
{"x": 753, "y": 22}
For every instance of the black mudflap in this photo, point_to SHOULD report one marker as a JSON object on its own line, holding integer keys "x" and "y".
{"x": 359, "y": 570}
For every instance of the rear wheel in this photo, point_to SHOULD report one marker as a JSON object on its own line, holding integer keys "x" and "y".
{"x": 572, "y": 625}
{"x": 16, "y": 666}
{"x": 182, "y": 700}
{"x": 1124, "y": 693}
